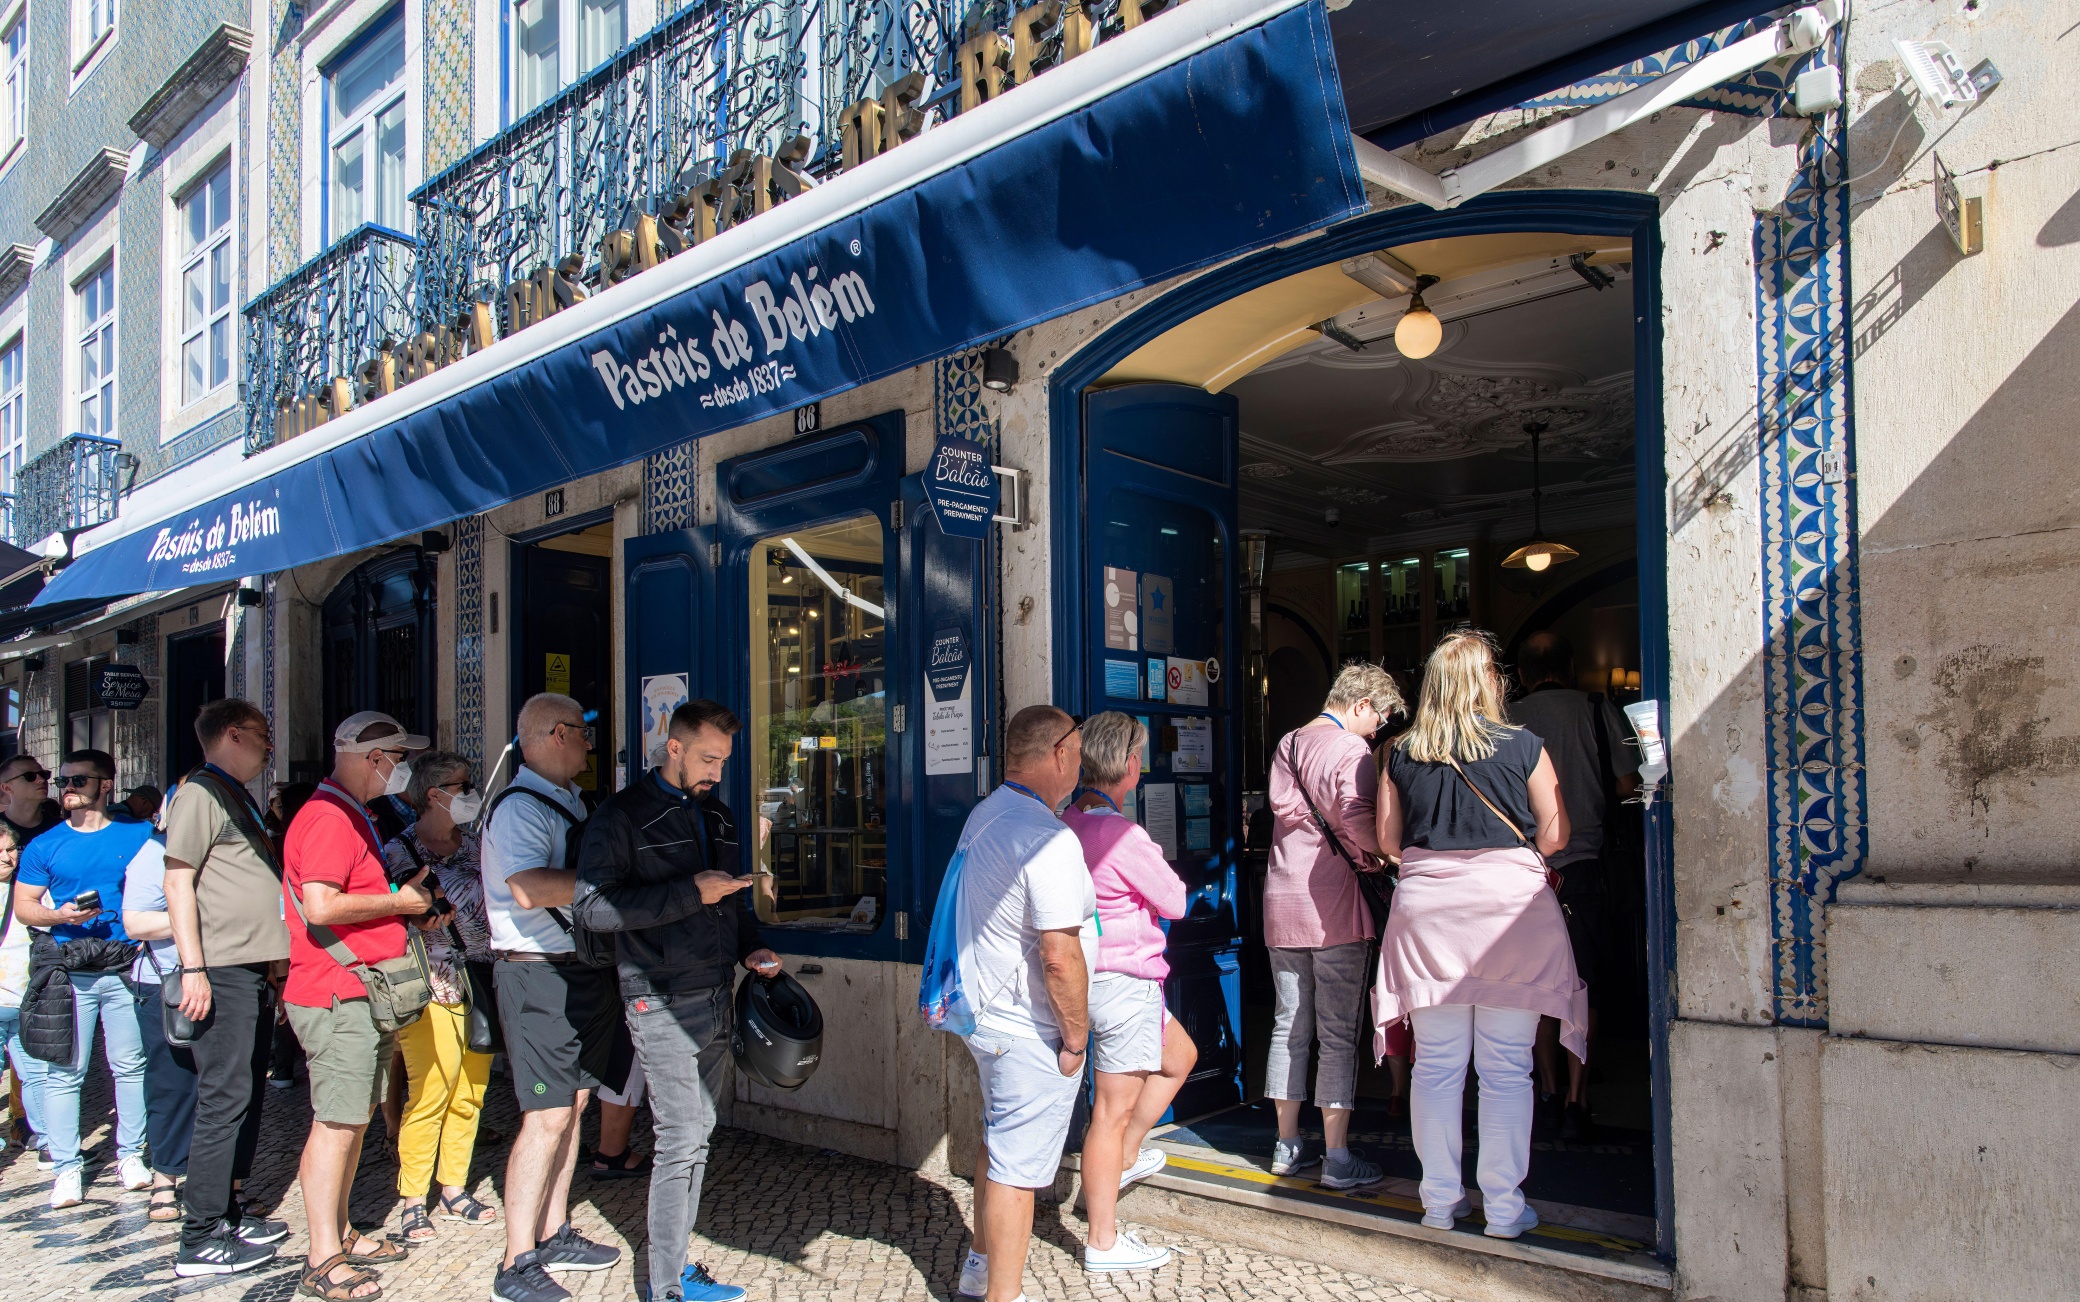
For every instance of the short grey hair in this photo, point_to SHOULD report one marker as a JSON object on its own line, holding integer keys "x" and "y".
{"x": 1110, "y": 742}
{"x": 1362, "y": 682}
{"x": 543, "y": 711}
{"x": 436, "y": 768}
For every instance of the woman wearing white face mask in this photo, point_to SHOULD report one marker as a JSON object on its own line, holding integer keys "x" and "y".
{"x": 438, "y": 1131}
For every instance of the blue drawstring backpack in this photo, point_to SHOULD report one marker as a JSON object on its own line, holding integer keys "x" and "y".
{"x": 940, "y": 999}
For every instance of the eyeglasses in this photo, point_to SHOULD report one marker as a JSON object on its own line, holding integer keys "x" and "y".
{"x": 31, "y": 775}
{"x": 585, "y": 730}
{"x": 1075, "y": 726}
{"x": 261, "y": 735}
{"x": 77, "y": 781}
{"x": 461, "y": 787}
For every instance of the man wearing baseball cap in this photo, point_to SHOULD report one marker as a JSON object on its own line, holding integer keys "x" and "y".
{"x": 334, "y": 874}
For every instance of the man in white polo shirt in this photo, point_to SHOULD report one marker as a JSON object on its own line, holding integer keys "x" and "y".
{"x": 1029, "y": 941}
{"x": 558, "y": 1014}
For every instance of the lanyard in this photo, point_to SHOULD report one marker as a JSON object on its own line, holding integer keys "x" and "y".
{"x": 1333, "y": 719}
{"x": 373, "y": 835}
{"x": 1020, "y": 786}
{"x": 235, "y": 785}
{"x": 1108, "y": 800}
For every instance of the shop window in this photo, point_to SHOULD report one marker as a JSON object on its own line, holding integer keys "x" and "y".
{"x": 89, "y": 724}
{"x": 557, "y": 41}
{"x": 1401, "y": 613}
{"x": 205, "y": 286}
{"x": 818, "y": 734}
{"x": 97, "y": 351}
{"x": 379, "y": 642}
{"x": 10, "y": 723}
{"x": 367, "y": 130}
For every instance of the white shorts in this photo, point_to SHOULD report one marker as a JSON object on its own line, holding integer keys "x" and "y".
{"x": 1127, "y": 1019}
{"x": 631, "y": 1093}
{"x": 1026, "y": 1106}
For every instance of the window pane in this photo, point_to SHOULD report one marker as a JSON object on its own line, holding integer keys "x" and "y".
{"x": 219, "y": 351}
{"x": 819, "y": 725}
{"x": 357, "y": 82}
{"x": 536, "y": 79}
{"x": 89, "y": 365}
{"x": 602, "y": 30}
{"x": 390, "y": 148}
{"x": 346, "y": 185}
{"x": 196, "y": 228}
{"x": 108, "y": 352}
{"x": 194, "y": 306}
{"x": 193, "y": 363}
{"x": 220, "y": 200}
{"x": 220, "y": 278}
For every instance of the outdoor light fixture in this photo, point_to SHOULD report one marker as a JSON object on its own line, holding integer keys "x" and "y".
{"x": 999, "y": 369}
{"x": 1537, "y": 556}
{"x": 1419, "y": 332}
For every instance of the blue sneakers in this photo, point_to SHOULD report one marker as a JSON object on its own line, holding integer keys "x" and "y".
{"x": 697, "y": 1285}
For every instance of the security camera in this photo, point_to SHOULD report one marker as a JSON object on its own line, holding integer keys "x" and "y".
{"x": 1332, "y": 517}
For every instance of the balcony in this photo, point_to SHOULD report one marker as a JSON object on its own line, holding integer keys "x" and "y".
{"x": 73, "y": 486}
{"x": 720, "y": 112}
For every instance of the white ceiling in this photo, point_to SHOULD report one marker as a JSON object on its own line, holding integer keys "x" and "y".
{"x": 1434, "y": 452}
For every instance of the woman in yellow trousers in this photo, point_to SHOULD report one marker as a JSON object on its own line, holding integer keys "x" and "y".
{"x": 446, "y": 1082}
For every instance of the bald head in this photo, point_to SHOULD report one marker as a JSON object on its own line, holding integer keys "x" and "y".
{"x": 1546, "y": 657}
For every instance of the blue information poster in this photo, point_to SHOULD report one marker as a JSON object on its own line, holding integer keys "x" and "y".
{"x": 1123, "y": 680}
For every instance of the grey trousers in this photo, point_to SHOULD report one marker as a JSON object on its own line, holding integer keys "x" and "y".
{"x": 683, "y": 1043}
{"x": 1318, "y": 993}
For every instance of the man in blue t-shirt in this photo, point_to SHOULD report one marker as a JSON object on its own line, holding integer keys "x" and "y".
{"x": 88, "y": 853}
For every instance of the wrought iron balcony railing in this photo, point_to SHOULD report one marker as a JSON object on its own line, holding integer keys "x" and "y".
{"x": 721, "y": 111}
{"x": 309, "y": 332}
{"x": 72, "y": 486}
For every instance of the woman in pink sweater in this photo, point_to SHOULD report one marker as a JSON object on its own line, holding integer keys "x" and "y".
{"x": 1141, "y": 1054}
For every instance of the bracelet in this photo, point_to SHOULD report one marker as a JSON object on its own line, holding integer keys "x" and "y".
{"x": 1076, "y": 1052}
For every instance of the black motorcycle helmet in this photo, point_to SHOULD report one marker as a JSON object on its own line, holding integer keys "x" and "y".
{"x": 779, "y": 1032}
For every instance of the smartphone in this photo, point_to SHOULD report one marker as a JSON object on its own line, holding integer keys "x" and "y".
{"x": 87, "y": 901}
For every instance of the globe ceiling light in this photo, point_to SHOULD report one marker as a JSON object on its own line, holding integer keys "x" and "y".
{"x": 1537, "y": 556}
{"x": 1419, "y": 332}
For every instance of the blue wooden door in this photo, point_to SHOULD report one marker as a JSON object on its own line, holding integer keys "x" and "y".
{"x": 1159, "y": 590}
{"x": 670, "y": 632}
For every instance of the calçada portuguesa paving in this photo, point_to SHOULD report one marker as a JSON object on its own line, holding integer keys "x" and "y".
{"x": 787, "y": 1223}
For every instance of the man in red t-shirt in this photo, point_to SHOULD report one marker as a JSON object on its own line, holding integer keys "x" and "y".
{"x": 334, "y": 869}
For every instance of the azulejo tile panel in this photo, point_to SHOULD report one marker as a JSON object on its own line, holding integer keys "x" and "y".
{"x": 285, "y": 137}
{"x": 671, "y": 490}
{"x": 957, "y": 397}
{"x": 1812, "y": 633}
{"x": 469, "y": 640}
{"x": 449, "y": 78}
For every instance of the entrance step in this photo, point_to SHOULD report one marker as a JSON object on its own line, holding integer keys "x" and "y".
{"x": 1575, "y": 1255}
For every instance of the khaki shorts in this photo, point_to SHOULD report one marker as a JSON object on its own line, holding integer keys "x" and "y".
{"x": 1127, "y": 1023}
{"x": 348, "y": 1059}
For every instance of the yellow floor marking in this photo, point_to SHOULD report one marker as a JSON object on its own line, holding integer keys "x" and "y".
{"x": 1258, "y": 1176}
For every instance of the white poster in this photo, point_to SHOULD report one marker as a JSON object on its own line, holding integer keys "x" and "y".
{"x": 949, "y": 730}
{"x": 1194, "y": 746}
{"x": 1187, "y": 682}
{"x": 662, "y": 694}
{"x": 1159, "y": 815}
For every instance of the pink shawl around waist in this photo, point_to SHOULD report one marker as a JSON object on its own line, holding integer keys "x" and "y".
{"x": 1478, "y": 927}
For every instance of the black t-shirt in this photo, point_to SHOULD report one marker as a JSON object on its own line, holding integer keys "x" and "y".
{"x": 50, "y": 818}
{"x": 1439, "y": 813}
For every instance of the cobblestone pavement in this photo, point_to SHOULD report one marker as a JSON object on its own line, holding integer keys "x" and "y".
{"x": 784, "y": 1221}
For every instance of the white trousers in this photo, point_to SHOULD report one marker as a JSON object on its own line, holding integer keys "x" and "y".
{"x": 1498, "y": 1041}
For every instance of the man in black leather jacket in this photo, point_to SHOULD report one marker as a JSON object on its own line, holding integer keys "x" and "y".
{"x": 658, "y": 869}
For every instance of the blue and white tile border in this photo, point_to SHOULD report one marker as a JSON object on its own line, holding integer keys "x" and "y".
{"x": 469, "y": 641}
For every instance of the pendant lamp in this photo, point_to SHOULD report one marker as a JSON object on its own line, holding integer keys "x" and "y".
{"x": 1538, "y": 555}
{"x": 1419, "y": 332}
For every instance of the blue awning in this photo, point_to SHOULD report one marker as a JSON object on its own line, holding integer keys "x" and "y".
{"x": 1203, "y": 134}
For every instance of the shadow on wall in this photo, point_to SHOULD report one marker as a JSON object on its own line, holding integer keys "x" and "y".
{"x": 1970, "y": 580}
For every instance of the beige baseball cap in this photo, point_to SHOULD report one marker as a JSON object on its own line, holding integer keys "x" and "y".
{"x": 375, "y": 730}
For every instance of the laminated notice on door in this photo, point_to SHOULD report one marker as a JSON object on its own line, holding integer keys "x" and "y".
{"x": 949, "y": 726}
{"x": 1122, "y": 680}
{"x": 1122, "y": 620}
{"x": 1157, "y": 620}
{"x": 1187, "y": 682}
{"x": 1159, "y": 815}
{"x": 1198, "y": 799}
{"x": 1158, "y": 671}
{"x": 1194, "y": 746}
{"x": 1198, "y": 834}
{"x": 662, "y": 694}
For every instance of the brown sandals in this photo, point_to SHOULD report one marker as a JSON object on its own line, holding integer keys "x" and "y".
{"x": 165, "y": 1204}
{"x": 317, "y": 1282}
{"x": 387, "y": 1251}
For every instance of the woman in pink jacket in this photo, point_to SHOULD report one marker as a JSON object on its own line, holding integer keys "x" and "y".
{"x": 1141, "y": 1054}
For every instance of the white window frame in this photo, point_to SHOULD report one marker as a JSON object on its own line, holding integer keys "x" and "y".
{"x": 14, "y": 83}
{"x": 216, "y": 247}
{"x": 365, "y": 122}
{"x": 84, "y": 330}
{"x": 95, "y": 24}
{"x": 572, "y": 62}
{"x": 14, "y": 409}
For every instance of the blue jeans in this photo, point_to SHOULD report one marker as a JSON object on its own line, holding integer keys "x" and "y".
{"x": 98, "y": 997}
{"x": 29, "y": 1071}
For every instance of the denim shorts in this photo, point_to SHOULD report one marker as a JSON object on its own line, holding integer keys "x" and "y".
{"x": 1026, "y": 1106}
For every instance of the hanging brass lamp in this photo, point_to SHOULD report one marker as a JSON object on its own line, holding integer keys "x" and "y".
{"x": 1538, "y": 555}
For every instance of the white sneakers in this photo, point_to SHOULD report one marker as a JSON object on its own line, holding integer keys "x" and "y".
{"x": 1127, "y": 1252}
{"x": 135, "y": 1174}
{"x": 1146, "y": 1163}
{"x": 65, "y": 1190}
{"x": 974, "y": 1275}
{"x": 1528, "y": 1221}
{"x": 1443, "y": 1220}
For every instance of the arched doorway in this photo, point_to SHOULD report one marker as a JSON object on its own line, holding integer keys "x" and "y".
{"x": 379, "y": 637}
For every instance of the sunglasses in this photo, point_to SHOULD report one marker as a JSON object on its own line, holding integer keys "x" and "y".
{"x": 32, "y": 775}
{"x": 78, "y": 781}
{"x": 1075, "y": 726}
